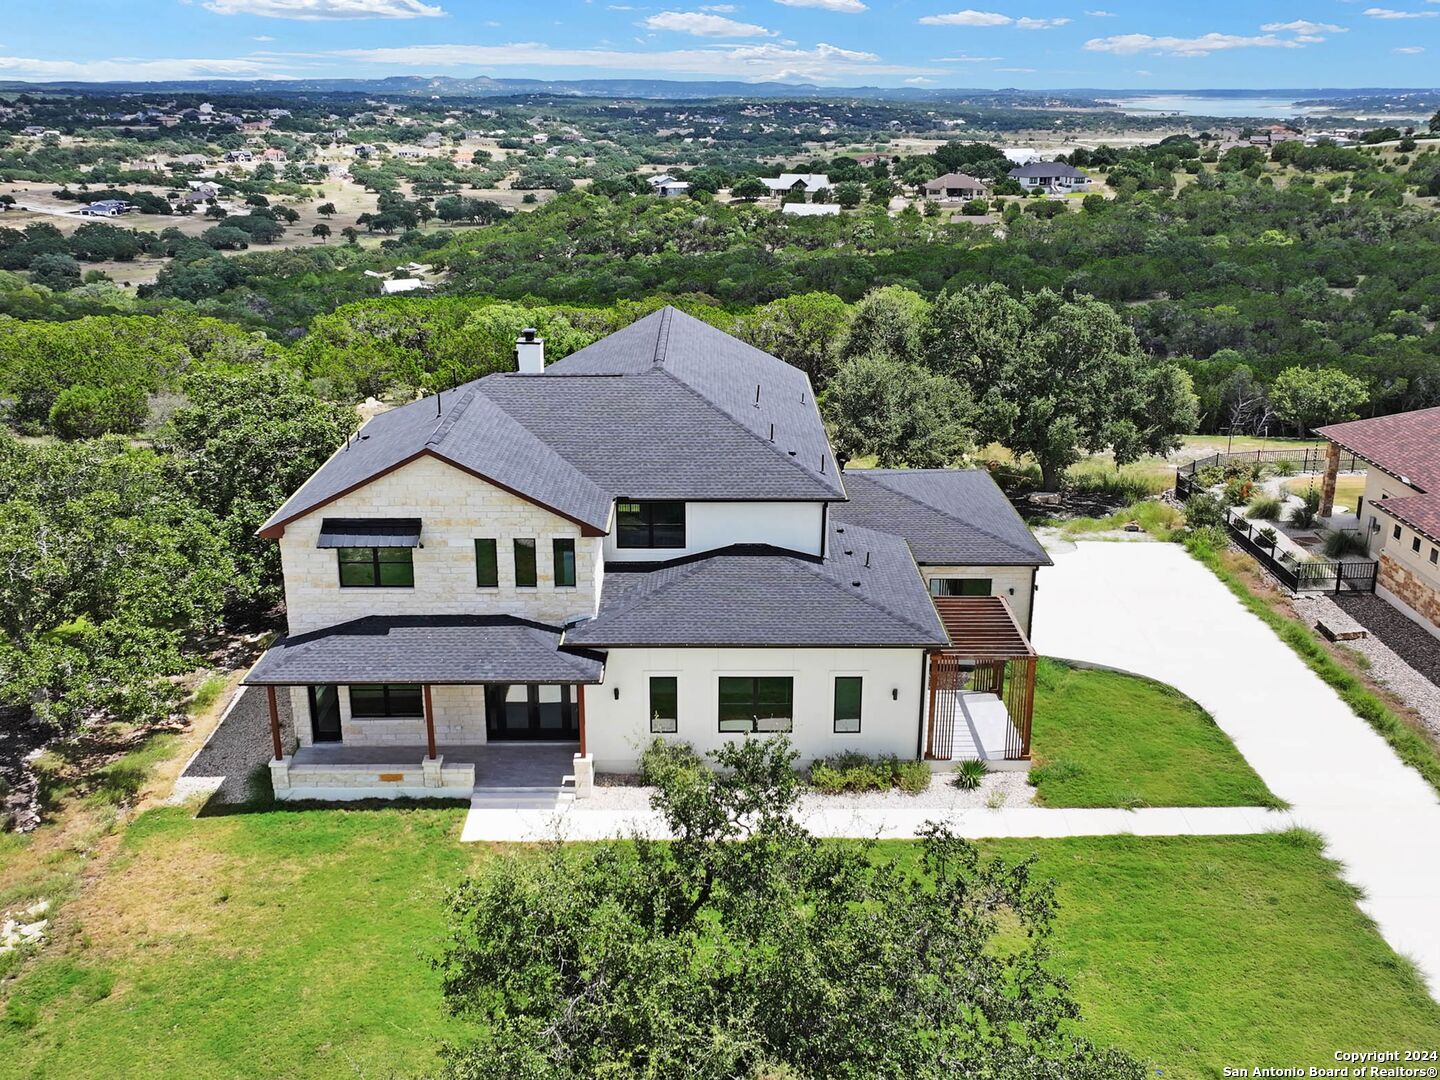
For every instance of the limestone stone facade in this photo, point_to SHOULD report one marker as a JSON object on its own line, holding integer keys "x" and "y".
{"x": 455, "y": 509}
{"x": 1421, "y": 596}
{"x": 1016, "y": 584}
{"x": 459, "y": 720}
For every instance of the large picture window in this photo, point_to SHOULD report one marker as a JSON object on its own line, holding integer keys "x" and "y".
{"x": 664, "y": 704}
{"x": 487, "y": 564}
{"x": 525, "y": 564}
{"x": 960, "y": 586}
{"x": 386, "y": 699}
{"x": 847, "y": 704}
{"x": 760, "y": 704}
{"x": 376, "y": 567}
{"x": 650, "y": 524}
{"x": 564, "y": 561}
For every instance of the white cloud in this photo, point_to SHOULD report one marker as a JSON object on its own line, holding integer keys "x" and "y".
{"x": 262, "y": 37}
{"x": 719, "y": 9}
{"x": 318, "y": 10}
{"x": 1111, "y": 14}
{"x": 767, "y": 61}
{"x": 1017, "y": 71}
{"x": 1040, "y": 24}
{"x": 968, "y": 17}
{"x": 1143, "y": 73}
{"x": 850, "y": 7}
{"x": 966, "y": 59}
{"x": 1131, "y": 44}
{"x": 1390, "y": 13}
{"x": 1305, "y": 26}
{"x": 920, "y": 80}
{"x": 1409, "y": 50}
{"x": 130, "y": 69}
{"x": 702, "y": 25}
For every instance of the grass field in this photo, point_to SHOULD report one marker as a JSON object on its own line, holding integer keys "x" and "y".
{"x": 1348, "y": 488}
{"x": 294, "y": 943}
{"x": 1105, "y": 739}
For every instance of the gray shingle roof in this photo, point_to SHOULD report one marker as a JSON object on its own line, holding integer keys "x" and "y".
{"x": 1040, "y": 169}
{"x": 955, "y": 517}
{"x": 437, "y": 649}
{"x": 665, "y": 408}
{"x": 764, "y": 596}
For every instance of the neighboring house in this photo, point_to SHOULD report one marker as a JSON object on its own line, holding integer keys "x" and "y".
{"x": 1400, "y": 511}
{"x": 239, "y": 155}
{"x": 954, "y": 186}
{"x": 393, "y": 286}
{"x": 1051, "y": 176}
{"x": 811, "y": 209}
{"x": 785, "y": 183}
{"x": 106, "y": 208}
{"x": 649, "y": 537}
{"x": 667, "y": 187}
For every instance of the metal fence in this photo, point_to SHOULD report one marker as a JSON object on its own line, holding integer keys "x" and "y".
{"x": 1304, "y": 459}
{"x": 1320, "y": 575}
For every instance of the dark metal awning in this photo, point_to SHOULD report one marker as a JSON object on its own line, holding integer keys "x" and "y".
{"x": 982, "y": 626}
{"x": 437, "y": 649}
{"x": 369, "y": 532}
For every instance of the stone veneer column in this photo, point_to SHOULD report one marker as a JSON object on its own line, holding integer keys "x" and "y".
{"x": 1327, "y": 485}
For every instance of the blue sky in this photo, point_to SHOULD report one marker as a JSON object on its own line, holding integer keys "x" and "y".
{"x": 930, "y": 43}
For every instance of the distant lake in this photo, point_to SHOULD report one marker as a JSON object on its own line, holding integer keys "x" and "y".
{"x": 1200, "y": 105}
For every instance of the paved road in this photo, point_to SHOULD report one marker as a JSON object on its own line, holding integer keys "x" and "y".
{"x": 1153, "y": 610}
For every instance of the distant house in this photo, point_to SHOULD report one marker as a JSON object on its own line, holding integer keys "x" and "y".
{"x": 785, "y": 183}
{"x": 272, "y": 154}
{"x": 954, "y": 186}
{"x": 810, "y": 209}
{"x": 106, "y": 208}
{"x": 239, "y": 155}
{"x": 865, "y": 161}
{"x": 666, "y": 186}
{"x": 402, "y": 285}
{"x": 1051, "y": 176}
{"x": 409, "y": 152}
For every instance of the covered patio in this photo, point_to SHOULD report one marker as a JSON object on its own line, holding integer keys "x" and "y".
{"x": 439, "y": 694}
{"x": 982, "y": 688}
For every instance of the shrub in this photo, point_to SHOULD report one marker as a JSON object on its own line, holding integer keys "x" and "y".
{"x": 1283, "y": 467}
{"x": 1210, "y": 475}
{"x": 1305, "y": 514}
{"x": 1204, "y": 511}
{"x": 83, "y": 412}
{"x": 1264, "y": 508}
{"x": 1338, "y": 544}
{"x": 1267, "y": 537}
{"x": 854, "y": 771}
{"x": 1238, "y": 491}
{"x": 968, "y": 775}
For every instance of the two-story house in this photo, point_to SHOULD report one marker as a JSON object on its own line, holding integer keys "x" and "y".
{"x": 648, "y": 537}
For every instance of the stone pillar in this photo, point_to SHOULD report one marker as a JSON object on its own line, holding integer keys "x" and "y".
{"x": 584, "y": 775}
{"x": 430, "y": 769}
{"x": 1327, "y": 484}
{"x": 280, "y": 774}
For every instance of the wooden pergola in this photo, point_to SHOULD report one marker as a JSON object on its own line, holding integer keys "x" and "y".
{"x": 988, "y": 653}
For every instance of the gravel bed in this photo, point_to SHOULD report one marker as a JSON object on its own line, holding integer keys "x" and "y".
{"x": 236, "y": 748}
{"x": 997, "y": 789}
{"x": 1401, "y": 656}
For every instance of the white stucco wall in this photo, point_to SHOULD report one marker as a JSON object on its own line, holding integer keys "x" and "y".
{"x": 617, "y": 730}
{"x": 459, "y": 720}
{"x": 455, "y": 508}
{"x": 1003, "y": 579}
{"x": 709, "y": 525}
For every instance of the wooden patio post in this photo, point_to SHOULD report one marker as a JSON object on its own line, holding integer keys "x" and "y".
{"x": 429, "y": 721}
{"x": 580, "y": 714}
{"x": 930, "y": 721}
{"x": 274, "y": 723}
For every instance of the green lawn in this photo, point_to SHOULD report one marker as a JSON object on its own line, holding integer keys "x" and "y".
{"x": 293, "y": 943}
{"x": 1101, "y": 738}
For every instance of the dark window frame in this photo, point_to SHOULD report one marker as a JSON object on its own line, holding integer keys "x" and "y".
{"x": 1415, "y": 544}
{"x": 391, "y": 696}
{"x": 836, "y": 718}
{"x": 494, "y": 567}
{"x": 518, "y": 544}
{"x": 628, "y": 534}
{"x": 1395, "y": 532}
{"x": 1434, "y": 556}
{"x": 375, "y": 562}
{"x": 560, "y": 547}
{"x": 657, "y": 721}
{"x": 944, "y": 582}
{"x": 756, "y": 705}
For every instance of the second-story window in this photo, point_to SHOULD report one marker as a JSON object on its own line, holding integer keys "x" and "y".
{"x": 650, "y": 524}
{"x": 377, "y": 567}
{"x": 487, "y": 564}
{"x": 525, "y": 563}
{"x": 564, "y": 562}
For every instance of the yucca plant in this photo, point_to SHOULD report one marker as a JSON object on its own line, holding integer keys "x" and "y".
{"x": 968, "y": 775}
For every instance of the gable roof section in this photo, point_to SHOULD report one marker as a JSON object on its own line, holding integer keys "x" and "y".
{"x": 1040, "y": 169}
{"x": 954, "y": 517}
{"x": 1404, "y": 445}
{"x": 472, "y": 433}
{"x": 753, "y": 595}
{"x": 1420, "y": 512}
{"x": 953, "y": 180}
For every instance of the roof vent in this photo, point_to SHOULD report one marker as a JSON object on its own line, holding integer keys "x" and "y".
{"x": 530, "y": 352}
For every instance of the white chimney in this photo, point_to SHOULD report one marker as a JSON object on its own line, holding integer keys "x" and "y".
{"x": 529, "y": 352}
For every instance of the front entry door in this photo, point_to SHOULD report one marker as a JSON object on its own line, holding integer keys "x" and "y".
{"x": 518, "y": 711}
{"x": 325, "y": 713}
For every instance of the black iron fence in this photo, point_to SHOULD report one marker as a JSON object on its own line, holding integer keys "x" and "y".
{"x": 1299, "y": 575}
{"x": 1302, "y": 459}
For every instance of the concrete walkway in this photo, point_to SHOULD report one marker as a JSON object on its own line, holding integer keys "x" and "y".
{"x": 1153, "y": 610}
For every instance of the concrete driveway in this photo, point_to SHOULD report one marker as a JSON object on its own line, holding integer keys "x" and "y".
{"x": 1151, "y": 609}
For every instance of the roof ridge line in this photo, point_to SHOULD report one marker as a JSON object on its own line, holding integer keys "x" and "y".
{"x": 783, "y": 456}
{"x": 943, "y": 513}
{"x": 450, "y": 419}
{"x": 662, "y": 336}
